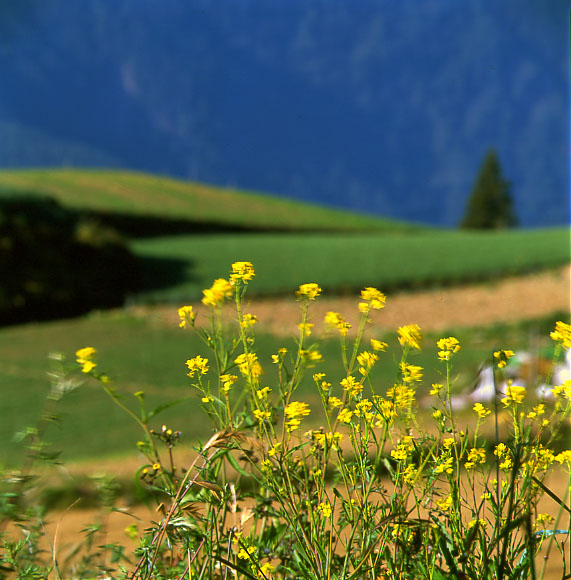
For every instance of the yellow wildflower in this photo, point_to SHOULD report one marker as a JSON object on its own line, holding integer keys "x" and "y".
{"x": 410, "y": 373}
{"x": 325, "y": 508}
{"x": 217, "y": 293}
{"x": 277, "y": 358}
{"x": 481, "y": 411}
{"x": 243, "y": 271}
{"x": 543, "y": 519}
{"x": 514, "y": 395}
{"x": 248, "y": 320}
{"x": 311, "y": 357}
{"x": 197, "y": 365}
{"x": 335, "y": 401}
{"x": 331, "y": 439}
{"x": 402, "y": 396}
{"x": 351, "y": 385}
{"x": 186, "y": 315}
{"x": 444, "y": 465}
{"x": 310, "y": 291}
{"x": 563, "y": 390}
{"x": 445, "y": 504}
{"x": 500, "y": 450}
{"x": 404, "y": 447}
{"x": 476, "y": 455}
{"x": 562, "y": 334}
{"x": 305, "y": 328}
{"x": 293, "y": 411}
{"x": 367, "y": 359}
{"x": 265, "y": 570}
{"x": 435, "y": 390}
{"x": 448, "y": 347}
{"x": 207, "y": 399}
{"x": 503, "y": 356}
{"x": 335, "y": 320}
{"x": 227, "y": 382}
{"x": 249, "y": 365}
{"x": 410, "y": 335}
{"x": 374, "y": 299}
{"x": 261, "y": 415}
{"x": 536, "y": 412}
{"x": 345, "y": 416}
{"x": 85, "y": 358}
{"x": 564, "y": 457}
{"x": 246, "y": 554}
{"x": 263, "y": 393}
{"x": 378, "y": 345}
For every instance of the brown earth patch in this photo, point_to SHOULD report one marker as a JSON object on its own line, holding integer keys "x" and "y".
{"x": 510, "y": 299}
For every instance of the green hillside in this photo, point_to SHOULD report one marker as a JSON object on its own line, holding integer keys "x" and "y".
{"x": 179, "y": 267}
{"x": 138, "y": 194}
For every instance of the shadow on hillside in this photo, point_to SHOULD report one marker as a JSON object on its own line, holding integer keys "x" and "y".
{"x": 159, "y": 273}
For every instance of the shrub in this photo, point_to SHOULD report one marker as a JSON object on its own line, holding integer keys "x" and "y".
{"x": 359, "y": 485}
{"x": 58, "y": 263}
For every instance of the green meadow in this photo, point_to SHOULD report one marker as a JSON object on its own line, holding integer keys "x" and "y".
{"x": 344, "y": 263}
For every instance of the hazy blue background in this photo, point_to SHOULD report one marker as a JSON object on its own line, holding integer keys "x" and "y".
{"x": 383, "y": 106}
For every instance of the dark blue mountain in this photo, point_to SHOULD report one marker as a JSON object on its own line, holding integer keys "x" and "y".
{"x": 380, "y": 106}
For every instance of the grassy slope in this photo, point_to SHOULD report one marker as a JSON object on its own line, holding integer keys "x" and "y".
{"x": 144, "y": 194}
{"x": 348, "y": 262}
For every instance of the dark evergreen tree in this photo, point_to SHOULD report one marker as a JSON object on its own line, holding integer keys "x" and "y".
{"x": 490, "y": 205}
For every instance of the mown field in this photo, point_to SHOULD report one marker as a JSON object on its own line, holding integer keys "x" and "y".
{"x": 344, "y": 263}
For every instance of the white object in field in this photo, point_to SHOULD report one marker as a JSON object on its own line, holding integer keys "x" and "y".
{"x": 484, "y": 390}
{"x": 562, "y": 370}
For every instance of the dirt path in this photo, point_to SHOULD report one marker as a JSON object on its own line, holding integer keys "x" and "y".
{"x": 508, "y": 300}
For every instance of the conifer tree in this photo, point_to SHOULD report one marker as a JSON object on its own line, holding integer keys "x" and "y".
{"x": 490, "y": 205}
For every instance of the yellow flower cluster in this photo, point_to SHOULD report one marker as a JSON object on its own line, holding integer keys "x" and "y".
{"x": 503, "y": 356}
{"x": 410, "y": 335}
{"x": 325, "y": 508}
{"x": 331, "y": 439}
{"x": 514, "y": 395}
{"x": 293, "y": 412}
{"x": 562, "y": 334}
{"x": 410, "y": 373}
{"x": 404, "y": 447}
{"x": 351, "y": 385}
{"x": 249, "y": 365}
{"x": 217, "y": 293}
{"x": 563, "y": 390}
{"x": 481, "y": 411}
{"x": 448, "y": 347}
{"x": 366, "y": 359}
{"x": 243, "y": 271}
{"x": 186, "y": 315}
{"x": 310, "y": 291}
{"x": 374, "y": 300}
{"x": 378, "y": 345}
{"x": 402, "y": 396}
{"x": 335, "y": 320}
{"x": 248, "y": 320}
{"x": 85, "y": 358}
{"x": 227, "y": 382}
{"x": 305, "y": 328}
{"x": 476, "y": 455}
{"x": 197, "y": 365}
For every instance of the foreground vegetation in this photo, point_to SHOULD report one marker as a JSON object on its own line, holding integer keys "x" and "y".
{"x": 351, "y": 484}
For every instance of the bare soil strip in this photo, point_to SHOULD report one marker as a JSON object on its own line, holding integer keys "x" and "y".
{"x": 510, "y": 299}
